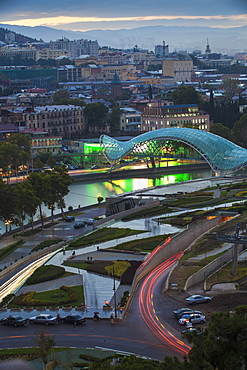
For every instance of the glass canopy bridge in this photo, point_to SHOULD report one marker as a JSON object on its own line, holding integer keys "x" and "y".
{"x": 223, "y": 156}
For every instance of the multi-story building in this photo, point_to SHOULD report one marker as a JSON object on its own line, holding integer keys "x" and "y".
{"x": 180, "y": 69}
{"x": 23, "y": 53}
{"x": 156, "y": 116}
{"x": 64, "y": 120}
{"x": 76, "y": 47}
{"x": 130, "y": 119}
{"x": 47, "y": 53}
{"x": 161, "y": 50}
{"x": 42, "y": 143}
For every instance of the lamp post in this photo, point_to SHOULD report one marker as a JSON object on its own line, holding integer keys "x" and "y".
{"x": 114, "y": 290}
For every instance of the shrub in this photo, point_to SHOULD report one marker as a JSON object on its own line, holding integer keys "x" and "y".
{"x": 45, "y": 273}
{"x": 124, "y": 298}
{"x": 4, "y": 252}
{"x": 46, "y": 243}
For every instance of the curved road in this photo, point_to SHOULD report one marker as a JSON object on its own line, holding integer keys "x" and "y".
{"x": 144, "y": 332}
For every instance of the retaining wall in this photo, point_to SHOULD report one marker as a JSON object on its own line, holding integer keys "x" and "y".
{"x": 206, "y": 271}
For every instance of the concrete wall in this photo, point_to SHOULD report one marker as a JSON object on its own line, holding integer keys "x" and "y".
{"x": 201, "y": 275}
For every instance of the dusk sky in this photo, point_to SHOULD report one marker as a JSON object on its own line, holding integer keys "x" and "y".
{"x": 83, "y": 15}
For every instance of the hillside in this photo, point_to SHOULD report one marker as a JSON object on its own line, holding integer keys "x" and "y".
{"x": 18, "y": 37}
{"x": 178, "y": 38}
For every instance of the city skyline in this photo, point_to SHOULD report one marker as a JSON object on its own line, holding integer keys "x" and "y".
{"x": 88, "y": 15}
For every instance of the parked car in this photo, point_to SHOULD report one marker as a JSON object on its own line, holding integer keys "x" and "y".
{"x": 13, "y": 321}
{"x": 193, "y": 319}
{"x": 73, "y": 319}
{"x": 45, "y": 319}
{"x": 69, "y": 218}
{"x": 191, "y": 329}
{"x": 191, "y": 312}
{"x": 194, "y": 299}
{"x": 95, "y": 167}
{"x": 79, "y": 225}
{"x": 178, "y": 313}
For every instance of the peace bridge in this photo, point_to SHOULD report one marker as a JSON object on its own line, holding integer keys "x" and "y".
{"x": 223, "y": 156}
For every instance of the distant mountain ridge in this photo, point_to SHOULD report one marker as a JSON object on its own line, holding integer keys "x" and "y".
{"x": 177, "y": 37}
{"x": 19, "y": 38}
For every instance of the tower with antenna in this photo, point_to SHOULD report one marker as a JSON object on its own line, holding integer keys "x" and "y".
{"x": 208, "y": 50}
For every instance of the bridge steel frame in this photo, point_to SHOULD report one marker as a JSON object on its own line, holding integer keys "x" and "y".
{"x": 223, "y": 156}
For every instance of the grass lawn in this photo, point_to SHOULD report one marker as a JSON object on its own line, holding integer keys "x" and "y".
{"x": 145, "y": 245}
{"x": 48, "y": 295}
{"x": 224, "y": 275}
{"x": 103, "y": 235}
{"x": 81, "y": 265}
{"x": 59, "y": 295}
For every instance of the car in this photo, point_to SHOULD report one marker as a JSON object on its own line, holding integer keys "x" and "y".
{"x": 79, "y": 225}
{"x": 191, "y": 329}
{"x": 193, "y": 319}
{"x": 69, "y": 218}
{"x": 73, "y": 319}
{"x": 90, "y": 221}
{"x": 13, "y": 321}
{"x": 194, "y": 299}
{"x": 44, "y": 319}
{"x": 95, "y": 167}
{"x": 180, "y": 311}
{"x": 189, "y": 312}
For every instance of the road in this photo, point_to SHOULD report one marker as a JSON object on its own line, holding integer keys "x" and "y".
{"x": 148, "y": 330}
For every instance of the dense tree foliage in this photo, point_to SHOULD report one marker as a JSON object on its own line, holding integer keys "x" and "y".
{"x": 15, "y": 152}
{"x": 96, "y": 113}
{"x": 185, "y": 95}
{"x": 114, "y": 119}
{"x": 240, "y": 131}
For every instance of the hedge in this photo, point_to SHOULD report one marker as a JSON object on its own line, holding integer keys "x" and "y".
{"x": 4, "y": 252}
{"x": 45, "y": 273}
{"x": 46, "y": 243}
{"x": 104, "y": 235}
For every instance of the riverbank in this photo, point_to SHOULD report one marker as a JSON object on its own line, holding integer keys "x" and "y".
{"x": 137, "y": 173}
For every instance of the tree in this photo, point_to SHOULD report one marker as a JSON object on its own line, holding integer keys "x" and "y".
{"x": 51, "y": 161}
{"x": 231, "y": 88}
{"x": 59, "y": 181}
{"x": 60, "y": 96}
{"x": 221, "y": 130}
{"x": 114, "y": 119}
{"x": 41, "y": 187}
{"x": 185, "y": 95}
{"x": 223, "y": 345}
{"x": 44, "y": 344}
{"x": 240, "y": 131}
{"x": 7, "y": 204}
{"x": 26, "y": 202}
{"x": 96, "y": 114}
{"x": 150, "y": 92}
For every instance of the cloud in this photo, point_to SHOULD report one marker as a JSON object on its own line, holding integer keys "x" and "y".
{"x": 65, "y": 20}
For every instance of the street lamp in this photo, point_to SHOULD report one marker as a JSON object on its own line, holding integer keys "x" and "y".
{"x": 114, "y": 290}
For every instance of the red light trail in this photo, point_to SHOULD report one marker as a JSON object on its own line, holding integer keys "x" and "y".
{"x": 146, "y": 307}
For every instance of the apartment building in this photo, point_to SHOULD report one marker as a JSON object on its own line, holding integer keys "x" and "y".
{"x": 42, "y": 143}
{"x": 63, "y": 120}
{"x": 180, "y": 69}
{"x": 47, "y": 53}
{"x": 130, "y": 119}
{"x": 156, "y": 116}
{"x": 24, "y": 53}
{"x": 76, "y": 47}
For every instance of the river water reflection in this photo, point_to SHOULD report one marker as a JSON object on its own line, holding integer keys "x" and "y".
{"x": 85, "y": 194}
